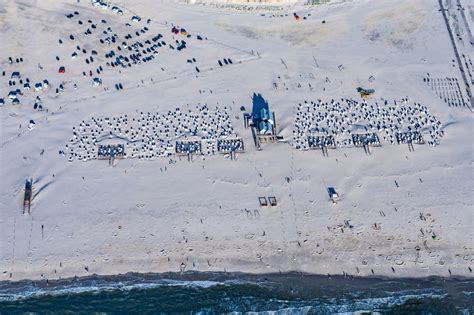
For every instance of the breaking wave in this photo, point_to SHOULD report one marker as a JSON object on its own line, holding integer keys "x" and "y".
{"x": 236, "y": 294}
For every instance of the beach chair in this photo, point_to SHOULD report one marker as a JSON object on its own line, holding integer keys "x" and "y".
{"x": 263, "y": 201}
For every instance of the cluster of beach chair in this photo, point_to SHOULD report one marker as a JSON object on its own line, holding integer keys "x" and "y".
{"x": 264, "y": 202}
{"x": 447, "y": 89}
{"x": 151, "y": 135}
{"x": 466, "y": 59}
{"x": 348, "y": 123}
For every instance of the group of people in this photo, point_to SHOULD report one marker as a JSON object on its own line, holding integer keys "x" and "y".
{"x": 348, "y": 122}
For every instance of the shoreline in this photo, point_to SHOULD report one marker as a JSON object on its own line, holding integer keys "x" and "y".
{"x": 219, "y": 276}
{"x": 295, "y": 282}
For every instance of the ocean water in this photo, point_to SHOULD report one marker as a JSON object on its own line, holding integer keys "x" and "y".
{"x": 205, "y": 293}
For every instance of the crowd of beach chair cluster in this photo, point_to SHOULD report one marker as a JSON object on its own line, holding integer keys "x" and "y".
{"x": 153, "y": 135}
{"x": 447, "y": 89}
{"x": 349, "y": 123}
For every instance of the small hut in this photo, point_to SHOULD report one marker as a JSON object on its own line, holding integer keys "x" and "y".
{"x": 28, "y": 196}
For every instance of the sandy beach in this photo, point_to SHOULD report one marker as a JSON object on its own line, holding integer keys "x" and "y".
{"x": 400, "y": 212}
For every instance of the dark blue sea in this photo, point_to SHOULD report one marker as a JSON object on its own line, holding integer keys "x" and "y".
{"x": 218, "y": 293}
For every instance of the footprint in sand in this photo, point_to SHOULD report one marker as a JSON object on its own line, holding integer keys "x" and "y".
{"x": 249, "y": 236}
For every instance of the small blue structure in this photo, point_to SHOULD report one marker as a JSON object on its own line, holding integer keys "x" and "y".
{"x": 262, "y": 121}
{"x": 332, "y": 193}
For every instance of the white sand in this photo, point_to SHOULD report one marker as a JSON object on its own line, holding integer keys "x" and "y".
{"x": 134, "y": 217}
